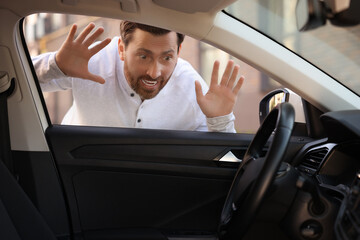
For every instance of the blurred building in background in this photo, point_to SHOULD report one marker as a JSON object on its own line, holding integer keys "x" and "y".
{"x": 46, "y": 32}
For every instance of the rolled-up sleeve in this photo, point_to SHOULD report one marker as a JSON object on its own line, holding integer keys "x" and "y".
{"x": 50, "y": 76}
{"x": 222, "y": 123}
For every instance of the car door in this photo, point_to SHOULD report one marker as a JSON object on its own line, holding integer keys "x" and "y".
{"x": 120, "y": 181}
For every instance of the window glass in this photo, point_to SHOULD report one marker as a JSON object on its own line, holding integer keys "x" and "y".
{"x": 46, "y": 32}
{"x": 334, "y": 49}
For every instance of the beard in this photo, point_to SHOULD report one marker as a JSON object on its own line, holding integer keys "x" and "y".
{"x": 138, "y": 85}
{"x": 144, "y": 93}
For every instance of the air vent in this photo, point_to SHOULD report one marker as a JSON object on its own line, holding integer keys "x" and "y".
{"x": 313, "y": 159}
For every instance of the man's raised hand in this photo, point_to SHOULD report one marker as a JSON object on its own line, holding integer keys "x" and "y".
{"x": 221, "y": 98}
{"x": 74, "y": 54}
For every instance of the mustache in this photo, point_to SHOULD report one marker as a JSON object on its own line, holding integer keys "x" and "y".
{"x": 148, "y": 78}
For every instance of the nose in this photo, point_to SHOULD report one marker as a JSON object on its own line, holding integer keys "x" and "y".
{"x": 154, "y": 70}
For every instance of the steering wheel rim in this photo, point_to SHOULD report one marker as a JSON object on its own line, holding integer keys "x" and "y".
{"x": 235, "y": 219}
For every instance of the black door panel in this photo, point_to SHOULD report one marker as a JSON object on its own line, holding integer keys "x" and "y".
{"x": 134, "y": 178}
{"x": 133, "y": 200}
{"x": 95, "y": 141}
{"x": 119, "y": 179}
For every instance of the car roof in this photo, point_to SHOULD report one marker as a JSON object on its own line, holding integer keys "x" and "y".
{"x": 194, "y": 18}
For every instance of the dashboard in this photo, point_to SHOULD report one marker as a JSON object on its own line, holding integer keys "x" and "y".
{"x": 334, "y": 165}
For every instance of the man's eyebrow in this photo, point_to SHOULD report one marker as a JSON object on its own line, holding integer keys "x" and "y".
{"x": 150, "y": 52}
{"x": 169, "y": 51}
{"x": 144, "y": 50}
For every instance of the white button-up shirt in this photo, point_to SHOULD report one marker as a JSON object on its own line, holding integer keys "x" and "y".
{"x": 116, "y": 104}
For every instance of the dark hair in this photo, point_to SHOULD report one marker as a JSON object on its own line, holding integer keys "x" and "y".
{"x": 127, "y": 28}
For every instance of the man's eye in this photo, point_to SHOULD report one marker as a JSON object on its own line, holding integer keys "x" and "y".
{"x": 167, "y": 58}
{"x": 142, "y": 56}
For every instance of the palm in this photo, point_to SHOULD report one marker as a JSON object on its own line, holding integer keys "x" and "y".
{"x": 221, "y": 98}
{"x": 74, "y": 55}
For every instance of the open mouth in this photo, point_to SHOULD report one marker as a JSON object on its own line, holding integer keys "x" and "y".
{"x": 149, "y": 83}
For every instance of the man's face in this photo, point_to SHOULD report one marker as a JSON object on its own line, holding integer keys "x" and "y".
{"x": 149, "y": 61}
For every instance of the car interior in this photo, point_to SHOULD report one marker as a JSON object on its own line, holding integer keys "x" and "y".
{"x": 290, "y": 180}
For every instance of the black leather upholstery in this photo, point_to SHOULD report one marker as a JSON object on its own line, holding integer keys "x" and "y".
{"x": 19, "y": 219}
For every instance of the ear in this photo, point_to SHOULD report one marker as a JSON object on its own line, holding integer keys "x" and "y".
{"x": 121, "y": 49}
{"x": 179, "y": 49}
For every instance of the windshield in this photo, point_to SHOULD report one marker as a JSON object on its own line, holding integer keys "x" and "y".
{"x": 335, "y": 50}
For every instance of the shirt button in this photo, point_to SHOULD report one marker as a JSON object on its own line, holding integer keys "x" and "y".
{"x": 132, "y": 94}
{"x": 139, "y": 120}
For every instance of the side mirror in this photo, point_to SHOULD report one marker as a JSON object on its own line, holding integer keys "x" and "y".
{"x": 310, "y": 14}
{"x": 270, "y": 101}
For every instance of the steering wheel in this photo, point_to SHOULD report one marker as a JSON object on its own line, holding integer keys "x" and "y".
{"x": 255, "y": 174}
